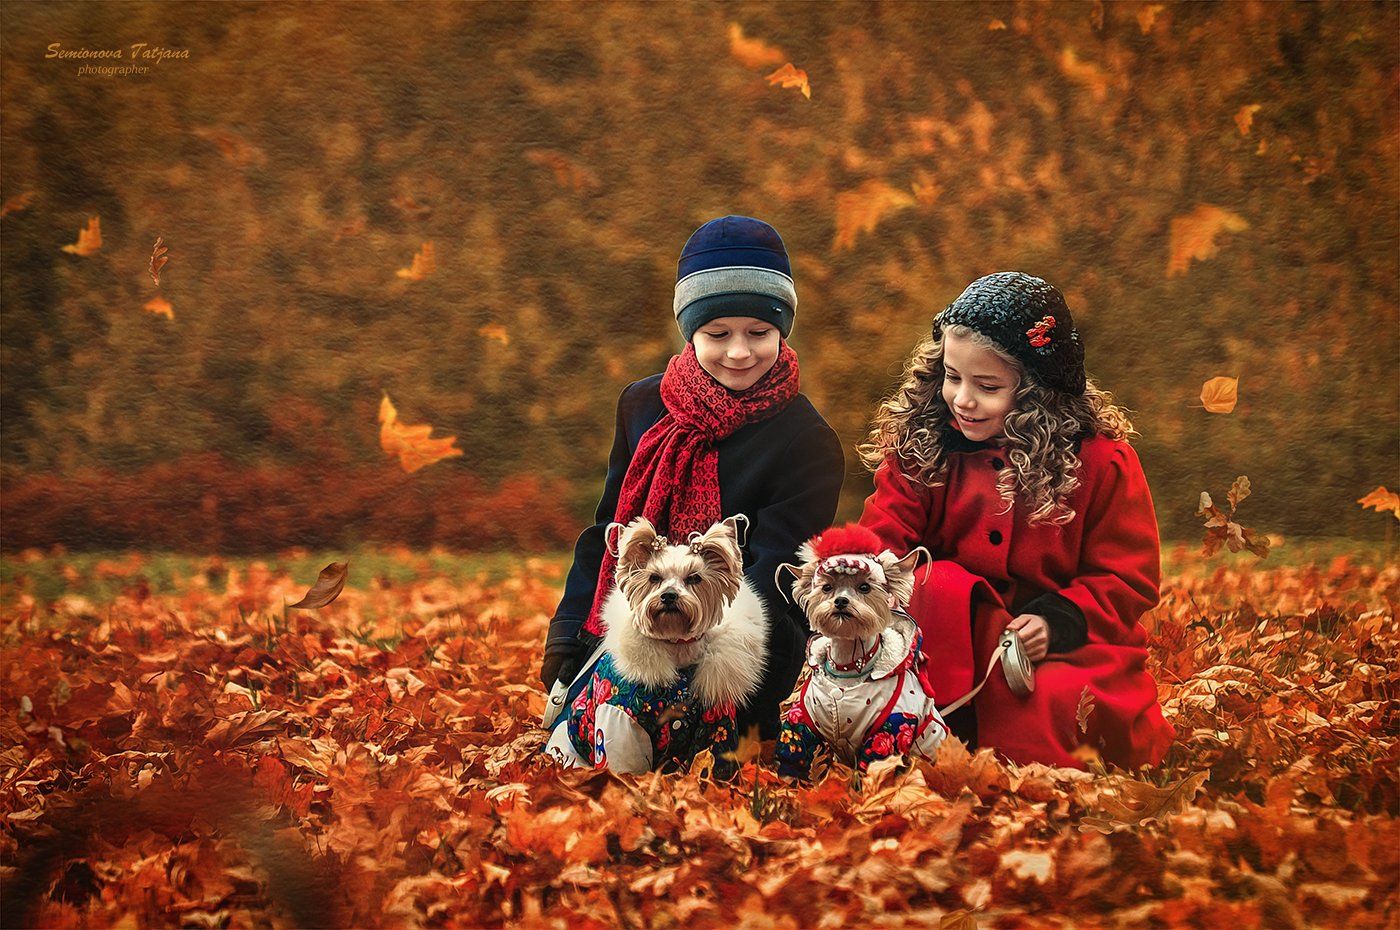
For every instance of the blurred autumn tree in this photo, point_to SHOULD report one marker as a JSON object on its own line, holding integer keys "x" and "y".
{"x": 557, "y": 156}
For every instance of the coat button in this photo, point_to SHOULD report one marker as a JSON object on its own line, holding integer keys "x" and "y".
{"x": 995, "y": 537}
{"x": 998, "y": 464}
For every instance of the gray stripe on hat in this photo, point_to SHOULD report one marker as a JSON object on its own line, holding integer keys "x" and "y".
{"x": 736, "y": 279}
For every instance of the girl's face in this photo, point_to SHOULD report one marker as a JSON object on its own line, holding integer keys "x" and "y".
{"x": 978, "y": 386}
{"x": 737, "y": 350}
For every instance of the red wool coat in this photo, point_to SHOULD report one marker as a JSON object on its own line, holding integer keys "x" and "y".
{"x": 987, "y": 564}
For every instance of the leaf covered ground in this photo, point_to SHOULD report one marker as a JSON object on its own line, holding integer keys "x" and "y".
{"x": 190, "y": 754}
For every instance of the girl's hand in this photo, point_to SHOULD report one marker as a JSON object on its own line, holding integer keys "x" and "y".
{"x": 1035, "y": 635}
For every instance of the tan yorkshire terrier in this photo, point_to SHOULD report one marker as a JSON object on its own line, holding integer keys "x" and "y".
{"x": 868, "y": 696}
{"x": 684, "y": 647}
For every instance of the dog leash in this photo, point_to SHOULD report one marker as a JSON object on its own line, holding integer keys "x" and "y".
{"x": 1019, "y": 672}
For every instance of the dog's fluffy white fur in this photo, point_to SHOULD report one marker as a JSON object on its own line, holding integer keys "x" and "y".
{"x": 704, "y": 584}
{"x": 731, "y": 657}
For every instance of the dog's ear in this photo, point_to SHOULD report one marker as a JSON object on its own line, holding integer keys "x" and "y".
{"x": 637, "y": 544}
{"x": 719, "y": 547}
{"x": 899, "y": 574}
{"x": 806, "y": 581}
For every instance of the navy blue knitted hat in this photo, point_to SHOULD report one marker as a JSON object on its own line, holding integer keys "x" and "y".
{"x": 1029, "y": 319}
{"x": 734, "y": 266}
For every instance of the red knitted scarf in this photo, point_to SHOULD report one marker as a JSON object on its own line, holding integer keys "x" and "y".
{"x": 673, "y": 479}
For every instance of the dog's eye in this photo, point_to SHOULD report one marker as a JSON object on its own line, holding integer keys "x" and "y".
{"x": 826, "y": 587}
{"x": 864, "y": 589}
{"x": 692, "y": 579}
{"x": 655, "y": 578}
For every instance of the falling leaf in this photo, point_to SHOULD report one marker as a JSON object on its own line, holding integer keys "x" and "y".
{"x": 158, "y": 259}
{"x": 423, "y": 264}
{"x": 1219, "y": 395}
{"x": 1193, "y": 235}
{"x": 326, "y": 589}
{"x": 159, "y": 305}
{"x": 16, "y": 203}
{"x": 1238, "y": 491}
{"x": 411, "y": 443}
{"x": 995, "y": 25}
{"x": 233, "y": 147}
{"x": 495, "y": 331}
{"x": 1135, "y": 802}
{"x": 1147, "y": 16}
{"x": 1085, "y": 708}
{"x": 861, "y": 210}
{"x": 788, "y": 76}
{"x": 568, "y": 173}
{"x": 1382, "y": 500}
{"x": 409, "y": 207}
{"x": 752, "y": 53}
{"x": 1244, "y": 118}
{"x": 89, "y": 238}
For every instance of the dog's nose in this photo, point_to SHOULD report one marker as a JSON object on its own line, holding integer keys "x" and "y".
{"x": 668, "y": 598}
{"x": 842, "y": 602}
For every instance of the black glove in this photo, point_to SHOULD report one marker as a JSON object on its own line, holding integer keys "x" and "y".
{"x": 555, "y": 658}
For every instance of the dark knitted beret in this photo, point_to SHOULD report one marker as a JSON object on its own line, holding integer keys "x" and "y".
{"x": 1029, "y": 319}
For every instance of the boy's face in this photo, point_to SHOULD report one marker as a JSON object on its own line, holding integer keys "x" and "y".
{"x": 978, "y": 386}
{"x": 737, "y": 350}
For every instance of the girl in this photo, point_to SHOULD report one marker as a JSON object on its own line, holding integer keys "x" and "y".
{"x": 723, "y": 431}
{"x": 1014, "y": 470}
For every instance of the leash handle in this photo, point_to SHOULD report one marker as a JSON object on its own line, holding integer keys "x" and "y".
{"x": 1020, "y": 673}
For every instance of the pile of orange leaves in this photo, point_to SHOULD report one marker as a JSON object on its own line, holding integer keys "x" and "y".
{"x": 206, "y": 758}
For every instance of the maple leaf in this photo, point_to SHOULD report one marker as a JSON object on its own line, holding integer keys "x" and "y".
{"x": 1193, "y": 235}
{"x": 411, "y": 443}
{"x": 495, "y": 331}
{"x": 861, "y": 210}
{"x": 423, "y": 265}
{"x": 89, "y": 238}
{"x": 1219, "y": 395}
{"x": 1382, "y": 500}
{"x": 158, "y": 259}
{"x": 327, "y": 588}
{"x": 752, "y": 53}
{"x": 160, "y": 306}
{"x": 1147, "y": 16}
{"x": 788, "y": 76}
{"x": 16, "y": 203}
{"x": 1244, "y": 117}
{"x": 1133, "y": 803}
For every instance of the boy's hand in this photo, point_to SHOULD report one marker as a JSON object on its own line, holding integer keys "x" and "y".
{"x": 1035, "y": 635}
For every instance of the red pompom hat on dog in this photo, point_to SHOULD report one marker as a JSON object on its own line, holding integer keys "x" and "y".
{"x": 845, "y": 550}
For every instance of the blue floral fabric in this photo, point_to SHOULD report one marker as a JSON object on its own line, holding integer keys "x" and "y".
{"x": 678, "y": 726}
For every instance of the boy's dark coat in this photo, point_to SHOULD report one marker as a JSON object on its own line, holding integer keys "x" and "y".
{"x": 783, "y": 473}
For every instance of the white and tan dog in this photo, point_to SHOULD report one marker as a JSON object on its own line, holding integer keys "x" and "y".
{"x": 685, "y": 645}
{"x": 867, "y": 696}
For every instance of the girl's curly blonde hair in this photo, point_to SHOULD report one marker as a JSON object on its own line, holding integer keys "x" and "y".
{"x": 1041, "y": 430}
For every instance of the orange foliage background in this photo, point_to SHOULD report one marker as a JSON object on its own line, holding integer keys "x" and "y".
{"x": 477, "y": 208}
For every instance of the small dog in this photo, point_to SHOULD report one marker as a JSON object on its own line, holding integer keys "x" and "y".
{"x": 685, "y": 645}
{"x": 867, "y": 696}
